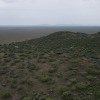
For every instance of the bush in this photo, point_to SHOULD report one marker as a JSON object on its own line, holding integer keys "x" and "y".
{"x": 20, "y": 67}
{"x": 81, "y": 85}
{"x": 49, "y": 99}
{"x": 62, "y": 89}
{"x": 17, "y": 61}
{"x": 97, "y": 95}
{"x": 12, "y": 64}
{"x": 6, "y": 95}
{"x": 27, "y": 98}
{"x": 73, "y": 88}
{"x": 52, "y": 70}
{"x": 73, "y": 80}
{"x": 45, "y": 79}
{"x": 13, "y": 85}
{"x": 3, "y": 72}
{"x": 23, "y": 81}
{"x": 84, "y": 73}
{"x": 93, "y": 71}
{"x": 69, "y": 83}
{"x": 51, "y": 60}
{"x": 59, "y": 75}
{"x": 20, "y": 88}
{"x": 66, "y": 94}
{"x": 32, "y": 67}
{"x": 90, "y": 78}
{"x": 51, "y": 90}
{"x": 29, "y": 82}
{"x": 7, "y": 60}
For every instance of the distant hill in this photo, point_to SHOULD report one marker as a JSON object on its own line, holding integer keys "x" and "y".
{"x": 64, "y": 41}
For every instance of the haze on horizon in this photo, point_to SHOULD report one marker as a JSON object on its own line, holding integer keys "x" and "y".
{"x": 50, "y": 12}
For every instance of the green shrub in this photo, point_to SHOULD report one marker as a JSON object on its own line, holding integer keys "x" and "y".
{"x": 27, "y": 98}
{"x": 51, "y": 90}
{"x": 49, "y": 98}
{"x": 15, "y": 75}
{"x": 23, "y": 81}
{"x": 84, "y": 73}
{"x": 3, "y": 72}
{"x": 45, "y": 79}
{"x": 6, "y": 95}
{"x": 66, "y": 94}
{"x": 97, "y": 95}
{"x": 20, "y": 88}
{"x": 29, "y": 82}
{"x": 12, "y": 64}
{"x": 73, "y": 80}
{"x": 70, "y": 68}
{"x": 62, "y": 88}
{"x": 52, "y": 70}
{"x": 32, "y": 67}
{"x": 89, "y": 77}
{"x": 17, "y": 61}
{"x": 69, "y": 83}
{"x": 7, "y": 60}
{"x": 52, "y": 81}
{"x": 20, "y": 67}
{"x": 51, "y": 60}
{"x": 81, "y": 85}
{"x": 73, "y": 88}
{"x": 13, "y": 85}
{"x": 93, "y": 71}
{"x": 59, "y": 75}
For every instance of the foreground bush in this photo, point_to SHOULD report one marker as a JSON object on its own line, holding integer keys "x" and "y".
{"x": 66, "y": 95}
{"x": 27, "y": 98}
{"x": 6, "y": 95}
{"x": 49, "y": 99}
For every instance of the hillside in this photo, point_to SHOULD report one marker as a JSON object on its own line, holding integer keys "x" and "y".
{"x": 61, "y": 66}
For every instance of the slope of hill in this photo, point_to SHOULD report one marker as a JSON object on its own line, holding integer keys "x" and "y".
{"x": 60, "y": 66}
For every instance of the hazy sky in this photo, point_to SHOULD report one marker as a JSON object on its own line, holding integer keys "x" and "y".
{"x": 35, "y": 12}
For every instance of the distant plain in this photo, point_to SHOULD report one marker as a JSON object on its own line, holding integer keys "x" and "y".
{"x": 16, "y": 34}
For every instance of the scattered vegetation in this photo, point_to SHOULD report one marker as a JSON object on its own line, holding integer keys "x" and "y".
{"x": 61, "y": 66}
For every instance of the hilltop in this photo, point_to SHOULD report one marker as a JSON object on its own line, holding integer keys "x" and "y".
{"x": 61, "y": 66}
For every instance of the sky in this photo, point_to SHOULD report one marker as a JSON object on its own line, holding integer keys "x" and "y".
{"x": 50, "y": 12}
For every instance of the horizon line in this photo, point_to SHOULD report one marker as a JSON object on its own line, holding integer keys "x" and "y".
{"x": 47, "y": 25}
